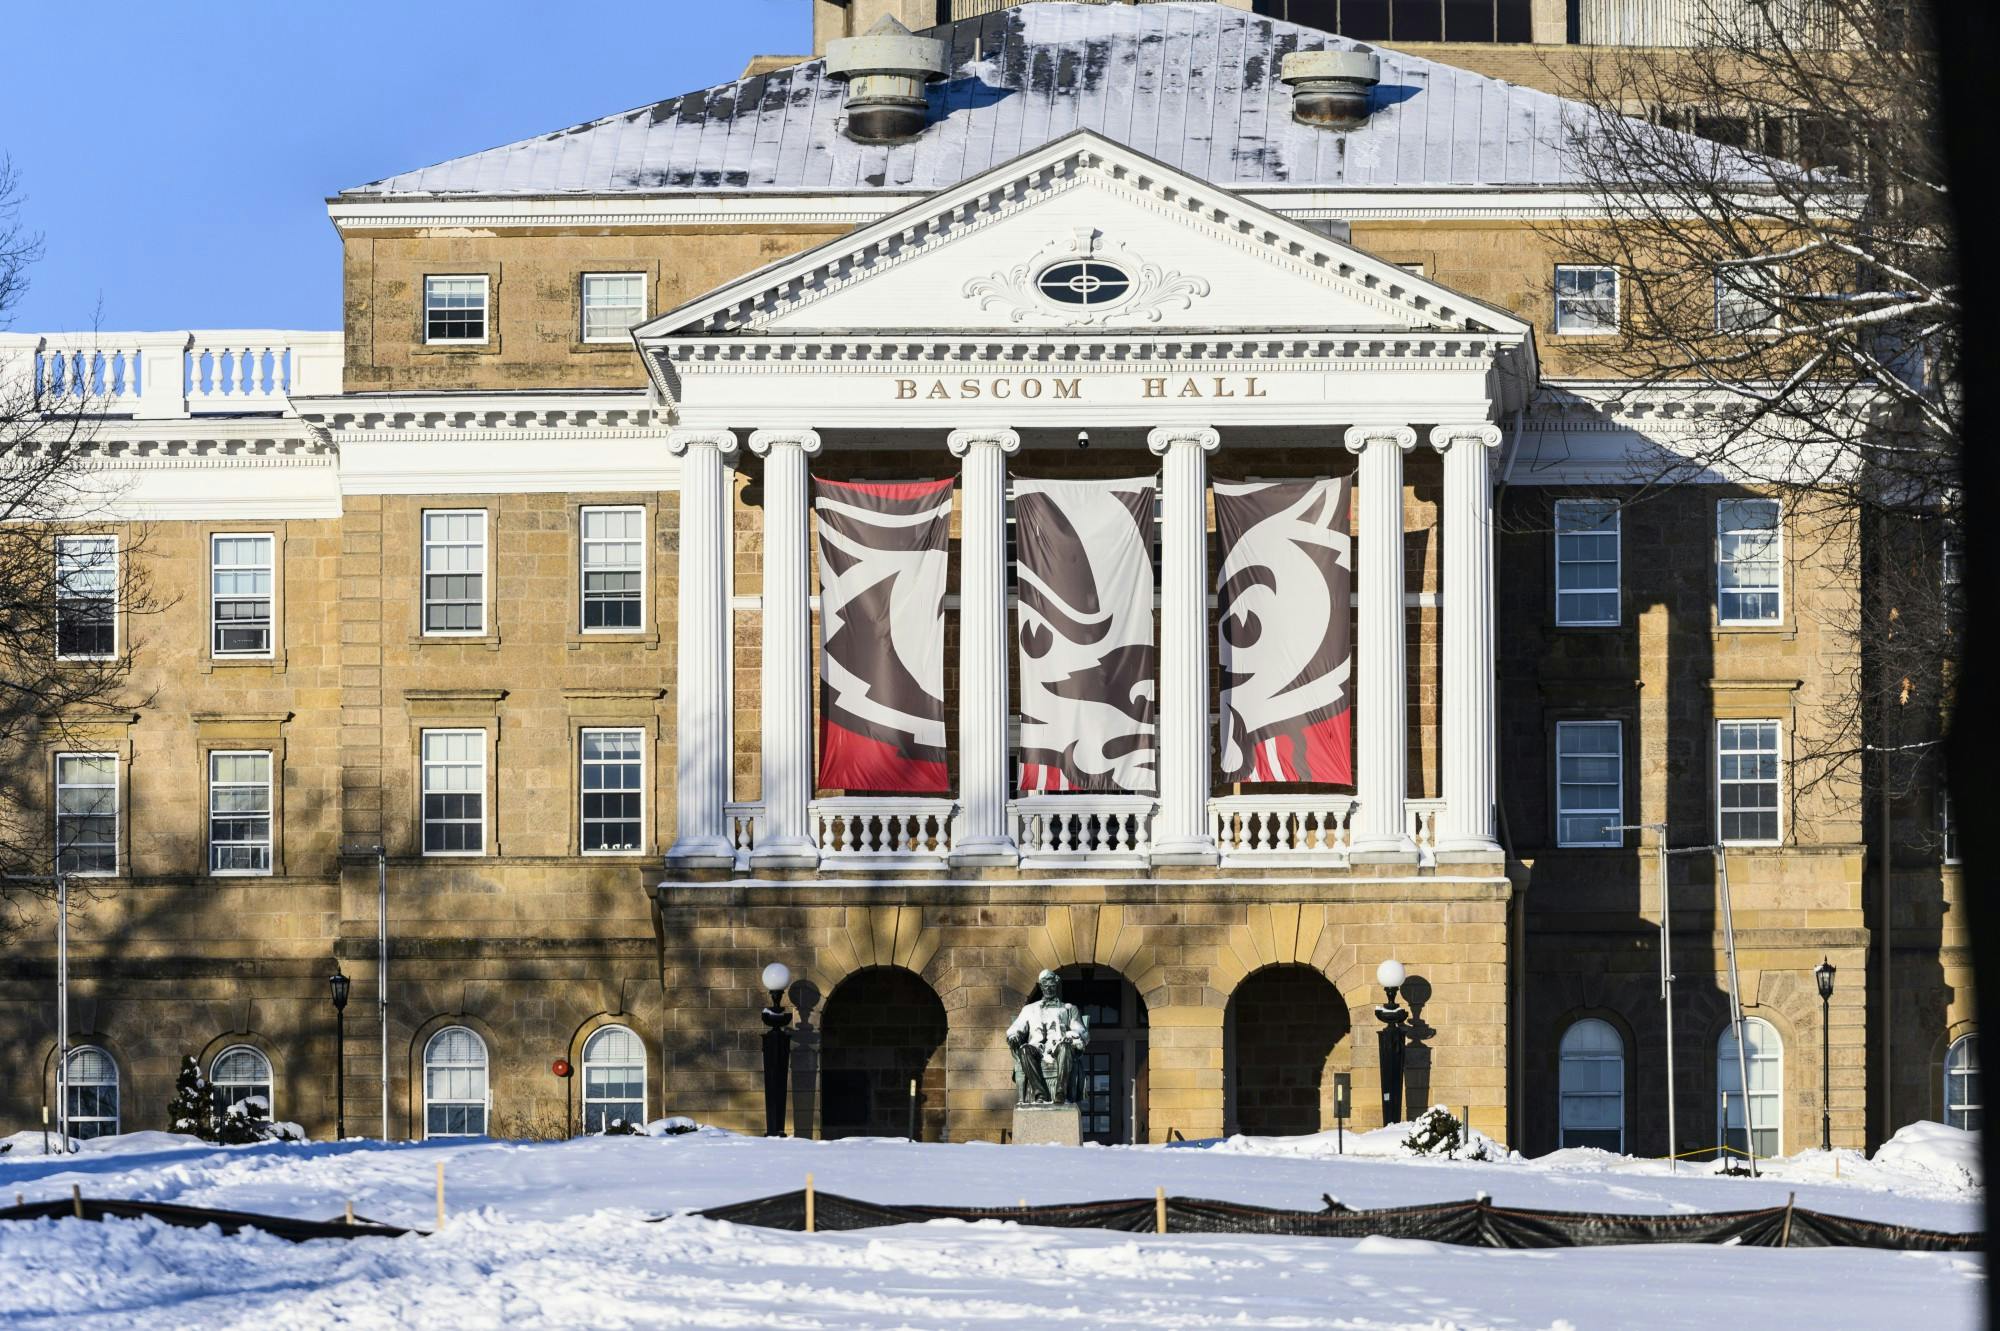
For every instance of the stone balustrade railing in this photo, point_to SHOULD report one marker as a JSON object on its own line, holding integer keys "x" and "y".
{"x": 165, "y": 376}
{"x": 1282, "y": 829}
{"x": 860, "y": 832}
{"x": 1103, "y": 831}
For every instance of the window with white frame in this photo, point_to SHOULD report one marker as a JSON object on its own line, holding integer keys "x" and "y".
{"x": 1746, "y": 782}
{"x": 1593, "y": 1086}
{"x": 1746, "y": 299}
{"x": 239, "y": 811}
{"x": 614, "y": 1079}
{"x": 457, "y": 1099}
{"x": 613, "y": 542}
{"x": 1590, "y": 783}
{"x": 612, "y": 303}
{"x": 90, "y": 1093}
{"x": 454, "y": 309}
{"x": 1749, "y": 561}
{"x": 1947, "y": 829}
{"x": 1586, "y": 299}
{"x": 87, "y": 812}
{"x": 454, "y": 792}
{"x": 241, "y": 1074}
{"x": 1587, "y": 562}
{"x": 1963, "y": 1104}
{"x": 614, "y": 786}
{"x": 86, "y": 597}
{"x": 454, "y": 572}
{"x": 1764, "y": 1058}
{"x": 241, "y": 575}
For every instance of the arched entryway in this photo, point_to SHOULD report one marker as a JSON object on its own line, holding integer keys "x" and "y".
{"x": 1280, "y": 1034}
{"x": 1114, "y": 1066}
{"x": 884, "y": 1029}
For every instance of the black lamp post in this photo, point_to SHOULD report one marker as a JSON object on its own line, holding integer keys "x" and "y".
{"x": 1823, "y": 977}
{"x": 338, "y": 983}
{"x": 1390, "y": 976}
{"x": 777, "y": 1049}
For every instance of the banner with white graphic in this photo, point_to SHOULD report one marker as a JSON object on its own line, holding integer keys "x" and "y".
{"x": 1084, "y": 566}
{"x": 882, "y": 559}
{"x": 1285, "y": 642}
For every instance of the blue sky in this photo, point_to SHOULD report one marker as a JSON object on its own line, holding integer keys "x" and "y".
{"x": 177, "y": 161}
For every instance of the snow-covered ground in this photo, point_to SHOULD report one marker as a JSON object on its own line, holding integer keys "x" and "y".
{"x": 552, "y": 1234}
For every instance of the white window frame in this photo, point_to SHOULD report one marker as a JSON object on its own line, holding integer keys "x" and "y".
{"x": 270, "y": 598}
{"x": 1564, "y": 1095}
{"x": 108, "y": 542}
{"x": 588, "y": 1062}
{"x": 424, "y": 765}
{"x": 69, "y": 1082}
{"x": 1609, "y": 522}
{"x": 426, "y": 543}
{"x": 485, "y": 1099}
{"x": 1947, "y": 829}
{"x": 1777, "y": 781}
{"x": 485, "y": 310}
{"x": 583, "y": 761}
{"x": 1726, "y": 1068}
{"x": 62, "y": 848}
{"x": 269, "y": 841}
{"x": 269, "y": 1081}
{"x": 584, "y": 568}
{"x": 1959, "y": 1110}
{"x": 583, "y": 307}
{"x": 1617, "y": 815}
{"x": 1775, "y": 589}
{"x": 1728, "y": 297}
{"x": 1566, "y": 300}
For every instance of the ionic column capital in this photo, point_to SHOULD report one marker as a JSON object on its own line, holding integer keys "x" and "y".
{"x": 1161, "y": 438}
{"x": 1483, "y": 434}
{"x": 961, "y": 442}
{"x": 763, "y": 441}
{"x": 679, "y": 442}
{"x": 1358, "y": 437}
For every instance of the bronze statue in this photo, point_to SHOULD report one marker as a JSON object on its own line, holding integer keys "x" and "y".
{"x": 1046, "y": 1038}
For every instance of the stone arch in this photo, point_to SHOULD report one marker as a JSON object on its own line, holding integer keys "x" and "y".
{"x": 1283, "y": 1037}
{"x": 573, "y": 1087}
{"x": 496, "y": 1063}
{"x": 94, "y": 1039}
{"x": 883, "y": 1028}
{"x": 868, "y": 936}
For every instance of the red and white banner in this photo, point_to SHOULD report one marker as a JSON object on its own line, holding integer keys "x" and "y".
{"x": 1284, "y": 629}
{"x": 882, "y": 560}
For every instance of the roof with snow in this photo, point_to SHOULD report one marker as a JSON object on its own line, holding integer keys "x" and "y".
{"x": 1194, "y": 85}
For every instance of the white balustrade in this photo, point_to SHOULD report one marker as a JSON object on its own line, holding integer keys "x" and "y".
{"x": 1283, "y": 829}
{"x": 1100, "y": 831}
{"x": 164, "y": 376}
{"x": 862, "y": 832}
{"x": 742, "y": 822}
{"x": 1424, "y": 817}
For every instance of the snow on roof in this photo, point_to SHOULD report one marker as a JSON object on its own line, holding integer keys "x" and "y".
{"x": 1192, "y": 84}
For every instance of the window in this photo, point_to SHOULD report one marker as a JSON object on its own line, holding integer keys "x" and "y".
{"x": 614, "y": 1079}
{"x": 241, "y": 1073}
{"x": 90, "y": 1092}
{"x": 455, "y": 571}
{"x": 454, "y": 792}
{"x": 1593, "y": 1086}
{"x": 456, "y": 1097}
{"x": 614, "y": 569}
{"x": 1962, "y": 1107}
{"x": 87, "y": 813}
{"x": 1749, "y": 561}
{"x": 1084, "y": 282}
{"x": 86, "y": 597}
{"x": 614, "y": 784}
{"x": 612, "y": 303}
{"x": 1765, "y": 1058}
{"x": 1746, "y": 299}
{"x": 454, "y": 309}
{"x": 240, "y": 578}
{"x": 1590, "y": 783}
{"x": 1587, "y": 539}
{"x": 1947, "y": 830}
{"x": 239, "y": 812}
{"x": 1586, "y": 300}
{"x": 1409, "y": 20}
{"x": 1747, "y": 782}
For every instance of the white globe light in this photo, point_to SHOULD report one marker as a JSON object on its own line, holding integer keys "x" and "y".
{"x": 1390, "y": 974}
{"x": 776, "y": 977}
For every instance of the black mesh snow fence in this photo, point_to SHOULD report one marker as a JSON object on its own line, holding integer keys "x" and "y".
{"x": 196, "y": 1217}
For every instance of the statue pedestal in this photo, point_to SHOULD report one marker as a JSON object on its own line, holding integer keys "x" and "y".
{"x": 1048, "y": 1125}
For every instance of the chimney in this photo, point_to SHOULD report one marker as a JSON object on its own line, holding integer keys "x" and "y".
{"x": 885, "y": 72}
{"x": 1330, "y": 88}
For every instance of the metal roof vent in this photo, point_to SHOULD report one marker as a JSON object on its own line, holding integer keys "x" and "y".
{"x": 885, "y": 71}
{"x": 1330, "y": 89}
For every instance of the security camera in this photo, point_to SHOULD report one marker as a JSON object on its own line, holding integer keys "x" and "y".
{"x": 1083, "y": 439}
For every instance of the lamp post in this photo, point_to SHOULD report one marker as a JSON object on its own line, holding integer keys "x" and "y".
{"x": 1390, "y": 975}
{"x": 1823, "y": 977}
{"x": 777, "y": 1048}
{"x": 338, "y": 983}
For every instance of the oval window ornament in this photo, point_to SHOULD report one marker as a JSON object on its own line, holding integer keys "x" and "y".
{"x": 1084, "y": 282}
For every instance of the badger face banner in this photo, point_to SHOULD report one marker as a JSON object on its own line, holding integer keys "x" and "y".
{"x": 1084, "y": 559}
{"x": 1285, "y": 646}
{"x": 882, "y": 552}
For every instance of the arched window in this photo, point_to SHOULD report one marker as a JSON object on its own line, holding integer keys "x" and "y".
{"x": 1593, "y": 1086}
{"x": 91, "y": 1089}
{"x": 456, "y": 1099}
{"x": 614, "y": 1079}
{"x": 239, "y": 1073}
{"x": 1962, "y": 1107}
{"x": 1765, "y": 1055}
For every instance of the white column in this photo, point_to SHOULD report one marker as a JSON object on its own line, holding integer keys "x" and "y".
{"x": 784, "y": 840}
{"x": 1180, "y": 830}
{"x": 1381, "y": 827}
{"x": 1469, "y": 718}
{"x": 983, "y": 835}
{"x": 701, "y": 838}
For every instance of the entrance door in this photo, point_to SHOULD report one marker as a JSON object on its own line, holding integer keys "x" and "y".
{"x": 1114, "y": 1066}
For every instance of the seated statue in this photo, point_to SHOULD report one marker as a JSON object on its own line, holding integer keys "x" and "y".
{"x": 1046, "y": 1038}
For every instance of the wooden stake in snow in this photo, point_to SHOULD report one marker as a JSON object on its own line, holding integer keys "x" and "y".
{"x": 350, "y": 1213}
{"x": 1159, "y": 1210}
{"x": 809, "y": 1204}
{"x": 76, "y": 1199}
{"x": 440, "y": 1194}
{"x": 1785, "y": 1234}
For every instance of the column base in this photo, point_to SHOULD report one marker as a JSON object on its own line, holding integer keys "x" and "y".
{"x": 986, "y": 853}
{"x": 1470, "y": 850}
{"x": 791, "y": 853}
{"x": 711, "y": 853}
{"x": 1193, "y": 851}
{"x": 1382, "y": 850}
